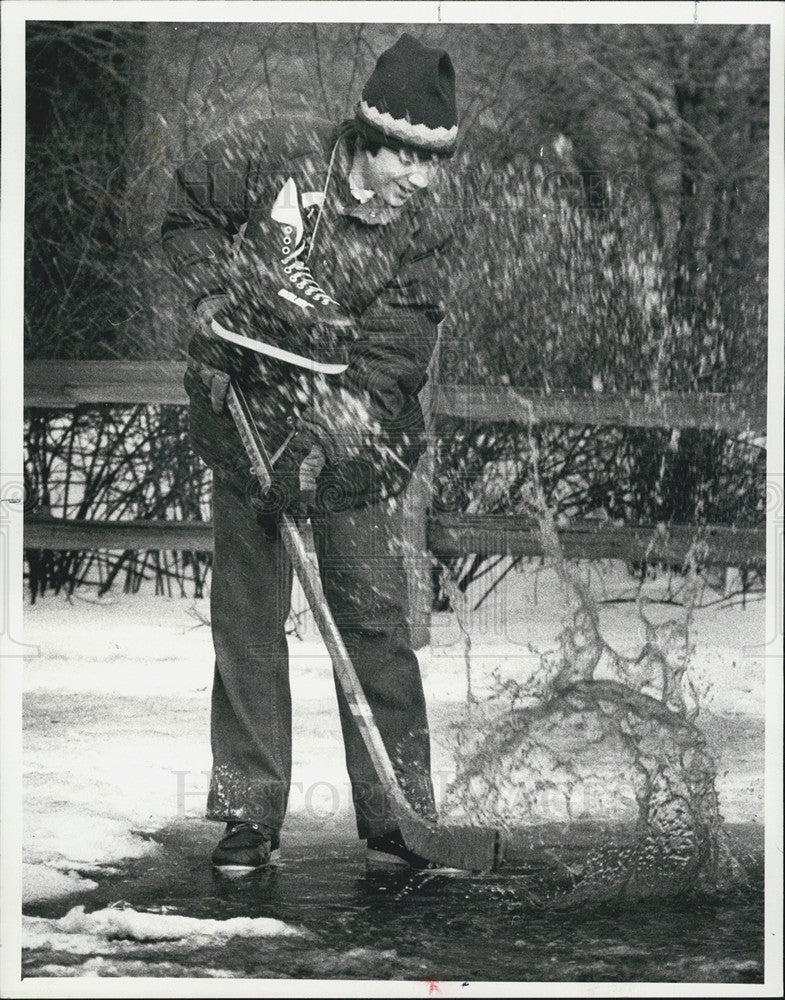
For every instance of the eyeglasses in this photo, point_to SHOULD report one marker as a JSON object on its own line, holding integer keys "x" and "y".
{"x": 411, "y": 158}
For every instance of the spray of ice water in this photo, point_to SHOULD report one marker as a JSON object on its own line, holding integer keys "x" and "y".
{"x": 599, "y": 758}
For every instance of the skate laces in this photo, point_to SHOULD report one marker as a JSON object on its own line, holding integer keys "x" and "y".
{"x": 296, "y": 269}
{"x": 300, "y": 276}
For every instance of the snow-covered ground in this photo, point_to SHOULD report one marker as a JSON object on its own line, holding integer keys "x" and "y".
{"x": 116, "y": 712}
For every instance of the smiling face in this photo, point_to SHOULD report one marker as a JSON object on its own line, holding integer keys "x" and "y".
{"x": 395, "y": 175}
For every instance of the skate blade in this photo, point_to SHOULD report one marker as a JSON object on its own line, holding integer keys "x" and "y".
{"x": 252, "y": 344}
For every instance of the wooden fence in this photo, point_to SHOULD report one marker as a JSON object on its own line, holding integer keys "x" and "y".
{"x": 68, "y": 384}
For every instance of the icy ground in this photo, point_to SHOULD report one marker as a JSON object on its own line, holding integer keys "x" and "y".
{"x": 116, "y": 714}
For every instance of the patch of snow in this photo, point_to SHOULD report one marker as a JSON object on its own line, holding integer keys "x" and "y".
{"x": 83, "y": 933}
{"x": 43, "y": 882}
{"x": 100, "y": 966}
{"x": 96, "y": 647}
{"x": 81, "y": 840}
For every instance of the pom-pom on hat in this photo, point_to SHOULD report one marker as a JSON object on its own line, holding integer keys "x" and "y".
{"x": 409, "y": 99}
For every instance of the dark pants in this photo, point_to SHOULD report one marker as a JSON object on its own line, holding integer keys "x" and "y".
{"x": 365, "y": 585}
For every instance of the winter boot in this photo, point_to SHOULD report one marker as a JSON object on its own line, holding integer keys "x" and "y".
{"x": 245, "y": 847}
{"x": 388, "y": 852}
{"x": 280, "y": 309}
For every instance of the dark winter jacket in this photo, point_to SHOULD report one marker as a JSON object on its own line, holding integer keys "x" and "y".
{"x": 390, "y": 278}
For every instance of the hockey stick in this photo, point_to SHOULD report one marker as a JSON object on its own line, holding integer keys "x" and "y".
{"x": 466, "y": 847}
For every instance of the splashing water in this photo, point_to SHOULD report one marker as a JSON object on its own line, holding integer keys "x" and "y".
{"x": 599, "y": 754}
{"x": 604, "y": 745}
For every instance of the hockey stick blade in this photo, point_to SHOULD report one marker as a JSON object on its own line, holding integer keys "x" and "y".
{"x": 470, "y": 848}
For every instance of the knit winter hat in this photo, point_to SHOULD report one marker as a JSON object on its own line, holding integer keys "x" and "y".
{"x": 409, "y": 99}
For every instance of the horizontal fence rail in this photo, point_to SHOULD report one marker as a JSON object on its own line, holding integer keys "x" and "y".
{"x": 41, "y": 532}
{"x": 447, "y": 535}
{"x": 70, "y": 383}
{"x": 516, "y": 535}
{"x": 731, "y": 412}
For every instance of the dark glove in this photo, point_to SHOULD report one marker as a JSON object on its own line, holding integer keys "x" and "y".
{"x": 336, "y": 427}
{"x": 216, "y": 382}
{"x": 337, "y": 421}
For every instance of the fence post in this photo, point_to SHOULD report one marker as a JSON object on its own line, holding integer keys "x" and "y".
{"x": 417, "y": 501}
